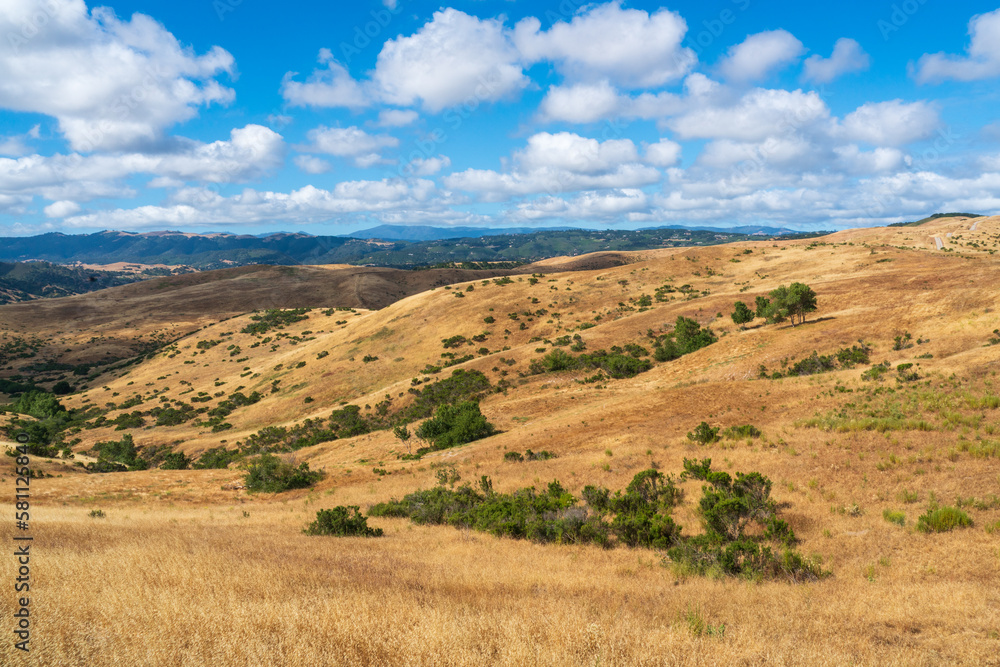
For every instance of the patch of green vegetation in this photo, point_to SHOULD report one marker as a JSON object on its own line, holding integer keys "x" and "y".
{"x": 943, "y": 519}
{"x": 216, "y": 458}
{"x": 275, "y": 318}
{"x": 270, "y": 474}
{"x": 342, "y": 521}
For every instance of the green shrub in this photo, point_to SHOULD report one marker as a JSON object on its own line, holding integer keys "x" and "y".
{"x": 729, "y": 507}
{"x": 342, "y": 522}
{"x": 117, "y": 456}
{"x": 942, "y": 520}
{"x": 704, "y": 434}
{"x": 454, "y": 425}
{"x": 270, "y": 474}
{"x": 739, "y": 432}
{"x": 175, "y": 461}
{"x": 216, "y": 458}
{"x": 274, "y": 319}
{"x": 898, "y": 518}
{"x": 513, "y": 456}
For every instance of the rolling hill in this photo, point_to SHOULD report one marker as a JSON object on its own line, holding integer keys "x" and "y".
{"x": 856, "y": 452}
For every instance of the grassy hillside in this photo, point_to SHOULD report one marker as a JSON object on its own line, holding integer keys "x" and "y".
{"x": 856, "y": 454}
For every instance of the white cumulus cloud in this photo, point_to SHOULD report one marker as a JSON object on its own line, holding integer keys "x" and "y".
{"x": 454, "y": 58}
{"x": 111, "y": 84}
{"x": 892, "y": 123}
{"x": 759, "y": 55}
{"x": 353, "y": 142}
{"x": 982, "y": 59}
{"x": 629, "y": 46}
{"x": 847, "y": 57}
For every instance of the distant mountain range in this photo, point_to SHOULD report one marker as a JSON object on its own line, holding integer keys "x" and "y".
{"x": 428, "y": 233}
{"x": 386, "y": 245}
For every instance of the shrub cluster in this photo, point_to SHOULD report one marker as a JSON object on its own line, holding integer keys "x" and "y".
{"x": 943, "y": 519}
{"x": 270, "y": 474}
{"x": 740, "y": 519}
{"x": 619, "y": 363}
{"x": 453, "y": 425}
{"x": 529, "y": 455}
{"x": 687, "y": 337}
{"x": 730, "y": 508}
{"x": 274, "y": 318}
{"x": 636, "y": 517}
{"x": 816, "y": 363}
{"x": 342, "y": 522}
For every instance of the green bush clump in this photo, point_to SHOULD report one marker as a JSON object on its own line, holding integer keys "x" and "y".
{"x": 729, "y": 508}
{"x": 454, "y": 341}
{"x": 743, "y": 431}
{"x": 270, "y": 474}
{"x": 704, "y": 434}
{"x": 687, "y": 337}
{"x": 463, "y": 385}
{"x": 892, "y": 516}
{"x": 175, "y": 461}
{"x": 274, "y": 318}
{"x": 876, "y": 372}
{"x": 117, "y": 456}
{"x": 342, "y": 522}
{"x": 943, "y": 519}
{"x": 128, "y": 420}
{"x": 454, "y": 425}
{"x": 636, "y": 517}
{"x": 529, "y": 455}
{"x": 817, "y": 363}
{"x": 617, "y": 364}
{"x": 216, "y": 458}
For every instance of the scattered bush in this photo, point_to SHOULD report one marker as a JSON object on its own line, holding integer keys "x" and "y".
{"x": 342, "y": 522}
{"x": 274, "y": 319}
{"x": 942, "y": 520}
{"x": 454, "y": 425}
{"x": 729, "y": 507}
{"x": 704, "y": 434}
{"x": 175, "y": 461}
{"x": 270, "y": 474}
{"x": 739, "y": 432}
{"x": 216, "y": 458}
{"x": 898, "y": 518}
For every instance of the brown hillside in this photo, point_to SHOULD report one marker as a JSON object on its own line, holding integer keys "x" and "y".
{"x": 840, "y": 449}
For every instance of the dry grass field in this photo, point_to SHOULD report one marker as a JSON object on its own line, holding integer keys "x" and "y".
{"x": 187, "y": 569}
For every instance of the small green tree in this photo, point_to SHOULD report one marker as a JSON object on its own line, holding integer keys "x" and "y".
{"x": 742, "y": 314}
{"x": 403, "y": 435}
{"x": 801, "y": 299}
{"x": 762, "y": 303}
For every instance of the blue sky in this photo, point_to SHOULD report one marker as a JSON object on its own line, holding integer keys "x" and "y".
{"x": 236, "y": 115}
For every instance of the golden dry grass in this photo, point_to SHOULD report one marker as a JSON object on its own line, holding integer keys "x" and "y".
{"x": 178, "y": 575}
